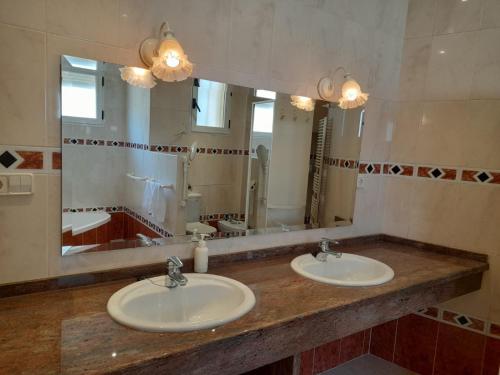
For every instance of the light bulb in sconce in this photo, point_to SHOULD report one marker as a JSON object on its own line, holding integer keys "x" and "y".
{"x": 166, "y": 56}
{"x": 137, "y": 77}
{"x": 351, "y": 89}
{"x": 172, "y": 59}
{"x": 302, "y": 102}
{"x": 352, "y": 96}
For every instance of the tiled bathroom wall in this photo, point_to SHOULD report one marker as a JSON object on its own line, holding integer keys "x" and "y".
{"x": 282, "y": 45}
{"x": 442, "y": 183}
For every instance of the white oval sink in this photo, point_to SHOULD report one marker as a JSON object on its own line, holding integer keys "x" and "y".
{"x": 206, "y": 301}
{"x": 348, "y": 270}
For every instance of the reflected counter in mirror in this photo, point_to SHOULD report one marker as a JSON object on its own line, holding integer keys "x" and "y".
{"x": 166, "y": 164}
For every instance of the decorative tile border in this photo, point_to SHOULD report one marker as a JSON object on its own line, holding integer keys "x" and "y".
{"x": 481, "y": 176}
{"x": 464, "y": 321}
{"x": 455, "y": 174}
{"x": 49, "y": 160}
{"x": 370, "y": 168}
{"x": 155, "y": 227}
{"x": 398, "y": 169}
{"x": 222, "y": 216}
{"x": 341, "y": 163}
{"x": 437, "y": 173}
{"x": 94, "y": 209}
{"x": 30, "y": 159}
{"x": 217, "y": 235}
{"x": 199, "y": 150}
{"x": 155, "y": 148}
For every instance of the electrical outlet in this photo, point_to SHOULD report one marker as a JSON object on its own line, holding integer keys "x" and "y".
{"x": 4, "y": 186}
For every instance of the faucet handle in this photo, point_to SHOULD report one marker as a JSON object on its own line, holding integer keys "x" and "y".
{"x": 329, "y": 241}
{"x": 175, "y": 261}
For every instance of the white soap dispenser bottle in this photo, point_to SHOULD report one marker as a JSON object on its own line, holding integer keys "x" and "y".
{"x": 201, "y": 255}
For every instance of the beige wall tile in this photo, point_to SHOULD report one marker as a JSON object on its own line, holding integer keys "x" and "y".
{"x": 250, "y": 36}
{"x": 23, "y": 235}
{"x": 491, "y": 14}
{"x": 486, "y": 79}
{"x": 454, "y": 16}
{"x": 451, "y": 67}
{"x": 368, "y": 206}
{"x": 381, "y": 79}
{"x": 397, "y": 193}
{"x": 27, "y": 13}
{"x": 432, "y": 207}
{"x": 415, "y": 61}
{"x": 379, "y": 122}
{"x": 290, "y": 41}
{"x": 480, "y": 148}
{"x": 420, "y": 18}
{"x": 326, "y": 52}
{"x": 476, "y": 217}
{"x": 93, "y": 20}
{"x": 203, "y": 29}
{"x": 22, "y": 86}
{"x": 403, "y": 147}
{"x": 137, "y": 21}
{"x": 441, "y": 133}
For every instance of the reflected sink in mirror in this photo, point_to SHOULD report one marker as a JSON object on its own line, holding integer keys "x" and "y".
{"x": 206, "y": 301}
{"x": 348, "y": 270}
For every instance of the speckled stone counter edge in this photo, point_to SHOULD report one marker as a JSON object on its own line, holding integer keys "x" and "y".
{"x": 138, "y": 272}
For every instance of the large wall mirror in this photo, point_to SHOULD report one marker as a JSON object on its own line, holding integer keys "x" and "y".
{"x": 145, "y": 167}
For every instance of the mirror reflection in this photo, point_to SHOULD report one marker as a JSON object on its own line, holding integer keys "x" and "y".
{"x": 145, "y": 167}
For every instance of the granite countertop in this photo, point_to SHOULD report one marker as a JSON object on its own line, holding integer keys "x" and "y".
{"x": 69, "y": 331}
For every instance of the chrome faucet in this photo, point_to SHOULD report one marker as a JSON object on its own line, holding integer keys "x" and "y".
{"x": 174, "y": 275}
{"x": 144, "y": 240}
{"x": 324, "y": 247}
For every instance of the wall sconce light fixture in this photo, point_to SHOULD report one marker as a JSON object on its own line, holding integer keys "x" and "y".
{"x": 351, "y": 94}
{"x": 164, "y": 56}
{"x": 302, "y": 102}
{"x": 138, "y": 77}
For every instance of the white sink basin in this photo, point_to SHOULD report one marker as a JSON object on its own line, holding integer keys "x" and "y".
{"x": 348, "y": 270}
{"x": 207, "y": 301}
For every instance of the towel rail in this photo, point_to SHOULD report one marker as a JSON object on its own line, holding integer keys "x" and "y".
{"x": 133, "y": 177}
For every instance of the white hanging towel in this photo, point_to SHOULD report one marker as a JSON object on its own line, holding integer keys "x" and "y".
{"x": 147, "y": 198}
{"x": 160, "y": 196}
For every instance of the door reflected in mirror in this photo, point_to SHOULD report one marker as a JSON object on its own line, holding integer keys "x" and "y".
{"x": 146, "y": 167}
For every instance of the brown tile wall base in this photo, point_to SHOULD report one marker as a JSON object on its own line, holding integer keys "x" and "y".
{"x": 430, "y": 347}
{"x": 335, "y": 353}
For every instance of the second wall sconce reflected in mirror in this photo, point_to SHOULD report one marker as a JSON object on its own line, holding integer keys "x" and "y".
{"x": 302, "y": 102}
{"x": 164, "y": 56}
{"x": 138, "y": 77}
{"x": 351, "y": 94}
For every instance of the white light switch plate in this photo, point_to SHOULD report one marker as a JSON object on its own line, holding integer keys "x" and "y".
{"x": 16, "y": 184}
